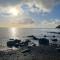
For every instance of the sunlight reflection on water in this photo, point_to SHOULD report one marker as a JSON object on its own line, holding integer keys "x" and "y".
{"x": 21, "y": 34}
{"x": 13, "y": 32}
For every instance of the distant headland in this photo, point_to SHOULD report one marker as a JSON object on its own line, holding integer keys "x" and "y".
{"x": 58, "y": 26}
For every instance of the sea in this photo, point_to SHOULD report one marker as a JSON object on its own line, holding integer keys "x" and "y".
{"x": 23, "y": 33}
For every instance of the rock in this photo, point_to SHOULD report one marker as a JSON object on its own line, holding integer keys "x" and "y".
{"x": 11, "y": 39}
{"x": 55, "y": 32}
{"x": 32, "y": 36}
{"x": 43, "y": 41}
{"x": 10, "y": 44}
{"x": 13, "y": 42}
{"x": 26, "y": 50}
{"x": 17, "y": 41}
{"x": 26, "y": 42}
{"x": 34, "y": 45}
{"x": 54, "y": 36}
{"x": 58, "y": 50}
{"x": 45, "y": 35}
{"x": 54, "y": 40}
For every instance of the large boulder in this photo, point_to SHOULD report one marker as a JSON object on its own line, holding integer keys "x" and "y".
{"x": 10, "y": 44}
{"x": 14, "y": 43}
{"x": 43, "y": 41}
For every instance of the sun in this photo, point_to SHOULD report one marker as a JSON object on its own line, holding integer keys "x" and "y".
{"x": 14, "y": 11}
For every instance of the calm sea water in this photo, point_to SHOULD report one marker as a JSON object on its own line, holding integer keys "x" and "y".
{"x": 7, "y": 33}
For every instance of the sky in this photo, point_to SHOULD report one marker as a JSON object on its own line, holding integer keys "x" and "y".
{"x": 30, "y": 13}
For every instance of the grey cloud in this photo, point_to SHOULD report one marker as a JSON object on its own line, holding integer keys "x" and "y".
{"x": 57, "y": 1}
{"x": 41, "y": 4}
{"x": 48, "y": 3}
{"x": 45, "y": 5}
{"x": 3, "y": 14}
{"x": 14, "y": 2}
{"x": 9, "y": 2}
{"x": 26, "y": 20}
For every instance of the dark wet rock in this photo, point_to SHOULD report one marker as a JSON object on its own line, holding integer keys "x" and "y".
{"x": 43, "y": 41}
{"x": 10, "y": 44}
{"x": 11, "y": 39}
{"x": 17, "y": 41}
{"x": 55, "y": 32}
{"x": 17, "y": 45}
{"x": 34, "y": 45}
{"x": 54, "y": 36}
{"x": 54, "y": 40}
{"x": 32, "y": 36}
{"x": 26, "y": 42}
{"x": 26, "y": 50}
{"x": 49, "y": 36}
{"x": 54, "y": 45}
{"x": 13, "y": 42}
{"x": 45, "y": 35}
{"x": 58, "y": 50}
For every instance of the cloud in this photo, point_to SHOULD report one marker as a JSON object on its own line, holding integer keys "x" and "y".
{"x": 11, "y": 11}
{"x": 24, "y": 11}
{"x": 33, "y": 6}
{"x": 9, "y": 2}
{"x": 26, "y": 21}
{"x": 38, "y": 7}
{"x": 42, "y": 5}
{"x": 23, "y": 19}
{"x": 52, "y": 23}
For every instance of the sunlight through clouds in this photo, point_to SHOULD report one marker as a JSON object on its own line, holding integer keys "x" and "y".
{"x": 14, "y": 11}
{"x": 30, "y": 12}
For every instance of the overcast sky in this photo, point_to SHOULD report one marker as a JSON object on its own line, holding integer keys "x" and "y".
{"x": 32, "y": 13}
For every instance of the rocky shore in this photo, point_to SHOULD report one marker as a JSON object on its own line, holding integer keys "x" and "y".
{"x": 20, "y": 50}
{"x": 35, "y": 53}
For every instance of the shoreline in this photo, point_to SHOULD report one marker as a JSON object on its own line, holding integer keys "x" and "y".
{"x": 37, "y": 53}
